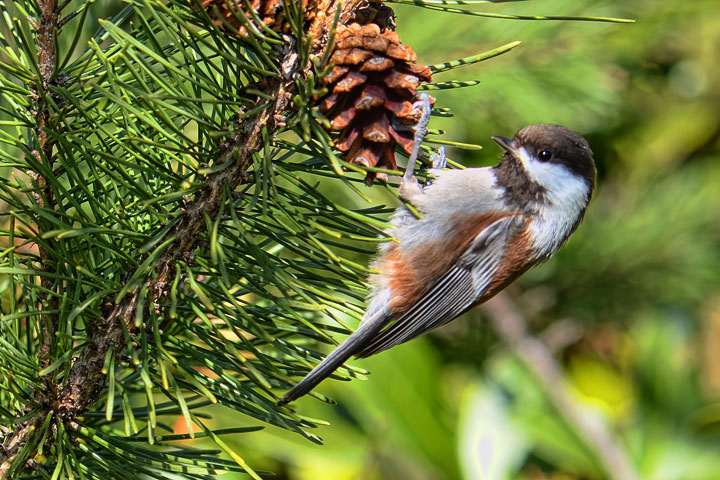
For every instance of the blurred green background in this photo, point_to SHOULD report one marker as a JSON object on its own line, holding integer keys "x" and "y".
{"x": 631, "y": 305}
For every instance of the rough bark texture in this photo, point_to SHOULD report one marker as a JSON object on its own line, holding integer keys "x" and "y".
{"x": 43, "y": 196}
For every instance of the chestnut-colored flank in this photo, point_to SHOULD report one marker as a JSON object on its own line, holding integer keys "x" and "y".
{"x": 408, "y": 276}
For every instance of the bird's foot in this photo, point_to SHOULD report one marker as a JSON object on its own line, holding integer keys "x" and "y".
{"x": 438, "y": 159}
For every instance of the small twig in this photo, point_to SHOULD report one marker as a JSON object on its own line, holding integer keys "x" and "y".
{"x": 44, "y": 195}
{"x": 511, "y": 326}
{"x": 12, "y": 443}
{"x": 66, "y": 19}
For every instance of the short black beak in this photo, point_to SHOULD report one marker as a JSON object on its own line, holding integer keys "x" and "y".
{"x": 505, "y": 143}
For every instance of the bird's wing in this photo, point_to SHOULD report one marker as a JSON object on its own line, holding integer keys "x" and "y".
{"x": 455, "y": 291}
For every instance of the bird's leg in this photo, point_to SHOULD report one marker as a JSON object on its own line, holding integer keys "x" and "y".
{"x": 423, "y": 104}
{"x": 409, "y": 187}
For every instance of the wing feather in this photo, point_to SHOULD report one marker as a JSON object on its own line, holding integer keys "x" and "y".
{"x": 454, "y": 292}
{"x": 445, "y": 297}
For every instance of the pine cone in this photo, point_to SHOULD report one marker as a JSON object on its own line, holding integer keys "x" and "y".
{"x": 372, "y": 88}
{"x": 271, "y": 12}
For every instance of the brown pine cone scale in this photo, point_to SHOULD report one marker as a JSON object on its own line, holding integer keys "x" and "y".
{"x": 351, "y": 80}
{"x": 372, "y": 88}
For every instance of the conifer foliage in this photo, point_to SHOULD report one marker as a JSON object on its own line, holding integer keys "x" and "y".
{"x": 164, "y": 244}
{"x": 233, "y": 16}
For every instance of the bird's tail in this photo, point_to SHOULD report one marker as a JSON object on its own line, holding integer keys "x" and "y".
{"x": 367, "y": 330}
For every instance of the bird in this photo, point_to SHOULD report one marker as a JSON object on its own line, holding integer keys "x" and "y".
{"x": 470, "y": 234}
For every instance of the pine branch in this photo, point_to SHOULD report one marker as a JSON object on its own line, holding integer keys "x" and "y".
{"x": 86, "y": 377}
{"x": 44, "y": 196}
{"x": 47, "y": 29}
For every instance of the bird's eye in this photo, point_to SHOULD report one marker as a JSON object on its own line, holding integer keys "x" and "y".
{"x": 544, "y": 156}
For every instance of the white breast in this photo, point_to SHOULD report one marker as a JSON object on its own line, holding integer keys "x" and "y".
{"x": 454, "y": 194}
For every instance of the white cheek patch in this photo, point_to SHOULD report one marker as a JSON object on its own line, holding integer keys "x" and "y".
{"x": 566, "y": 194}
{"x": 554, "y": 177}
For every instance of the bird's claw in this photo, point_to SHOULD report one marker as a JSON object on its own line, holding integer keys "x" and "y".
{"x": 438, "y": 159}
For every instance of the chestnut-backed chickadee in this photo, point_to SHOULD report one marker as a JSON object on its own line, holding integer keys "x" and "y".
{"x": 480, "y": 228}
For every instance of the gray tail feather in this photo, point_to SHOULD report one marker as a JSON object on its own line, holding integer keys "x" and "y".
{"x": 359, "y": 339}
